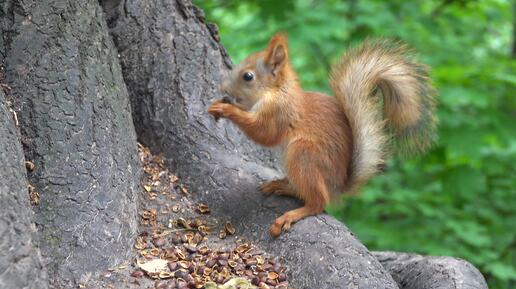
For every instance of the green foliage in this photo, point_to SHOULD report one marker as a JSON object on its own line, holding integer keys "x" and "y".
{"x": 460, "y": 198}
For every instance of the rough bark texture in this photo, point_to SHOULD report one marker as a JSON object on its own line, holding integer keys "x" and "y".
{"x": 413, "y": 271}
{"x": 76, "y": 124}
{"x": 172, "y": 64}
{"x": 20, "y": 261}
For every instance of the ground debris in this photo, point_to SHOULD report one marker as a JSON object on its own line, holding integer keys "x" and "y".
{"x": 34, "y": 196}
{"x": 29, "y": 166}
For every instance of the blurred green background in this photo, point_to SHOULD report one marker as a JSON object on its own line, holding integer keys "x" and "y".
{"x": 460, "y": 198}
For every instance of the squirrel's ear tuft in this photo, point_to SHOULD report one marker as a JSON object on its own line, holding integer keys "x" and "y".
{"x": 276, "y": 54}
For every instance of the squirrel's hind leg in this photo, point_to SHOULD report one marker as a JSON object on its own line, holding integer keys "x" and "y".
{"x": 308, "y": 182}
{"x": 313, "y": 206}
{"x": 279, "y": 187}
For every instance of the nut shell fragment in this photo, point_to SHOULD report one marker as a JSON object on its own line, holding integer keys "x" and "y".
{"x": 230, "y": 228}
{"x": 165, "y": 275}
{"x": 183, "y": 223}
{"x": 203, "y": 208}
{"x": 29, "y": 166}
{"x": 272, "y": 275}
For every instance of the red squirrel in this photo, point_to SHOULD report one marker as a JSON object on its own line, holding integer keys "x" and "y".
{"x": 329, "y": 144}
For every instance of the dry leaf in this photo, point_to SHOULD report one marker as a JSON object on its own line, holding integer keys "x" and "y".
{"x": 153, "y": 266}
{"x": 231, "y": 284}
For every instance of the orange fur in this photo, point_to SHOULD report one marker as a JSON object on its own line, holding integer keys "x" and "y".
{"x": 322, "y": 137}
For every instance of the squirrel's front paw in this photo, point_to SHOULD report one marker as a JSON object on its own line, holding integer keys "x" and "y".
{"x": 219, "y": 109}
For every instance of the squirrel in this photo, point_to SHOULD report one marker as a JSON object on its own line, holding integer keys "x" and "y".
{"x": 329, "y": 144}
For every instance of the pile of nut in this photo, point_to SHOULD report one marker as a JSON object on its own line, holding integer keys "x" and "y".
{"x": 190, "y": 264}
{"x": 178, "y": 254}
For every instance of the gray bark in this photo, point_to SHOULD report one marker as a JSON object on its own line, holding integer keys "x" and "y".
{"x": 172, "y": 64}
{"x": 413, "y": 271}
{"x": 77, "y": 128}
{"x": 20, "y": 260}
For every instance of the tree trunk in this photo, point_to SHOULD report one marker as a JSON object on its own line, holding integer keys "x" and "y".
{"x": 173, "y": 63}
{"x": 76, "y": 123}
{"x": 413, "y": 271}
{"x": 20, "y": 261}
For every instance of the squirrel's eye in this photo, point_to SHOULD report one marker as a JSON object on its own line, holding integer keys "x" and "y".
{"x": 248, "y": 76}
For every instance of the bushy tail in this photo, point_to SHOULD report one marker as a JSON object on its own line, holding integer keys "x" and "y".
{"x": 407, "y": 118}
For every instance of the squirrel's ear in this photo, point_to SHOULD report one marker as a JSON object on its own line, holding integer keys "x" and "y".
{"x": 276, "y": 54}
